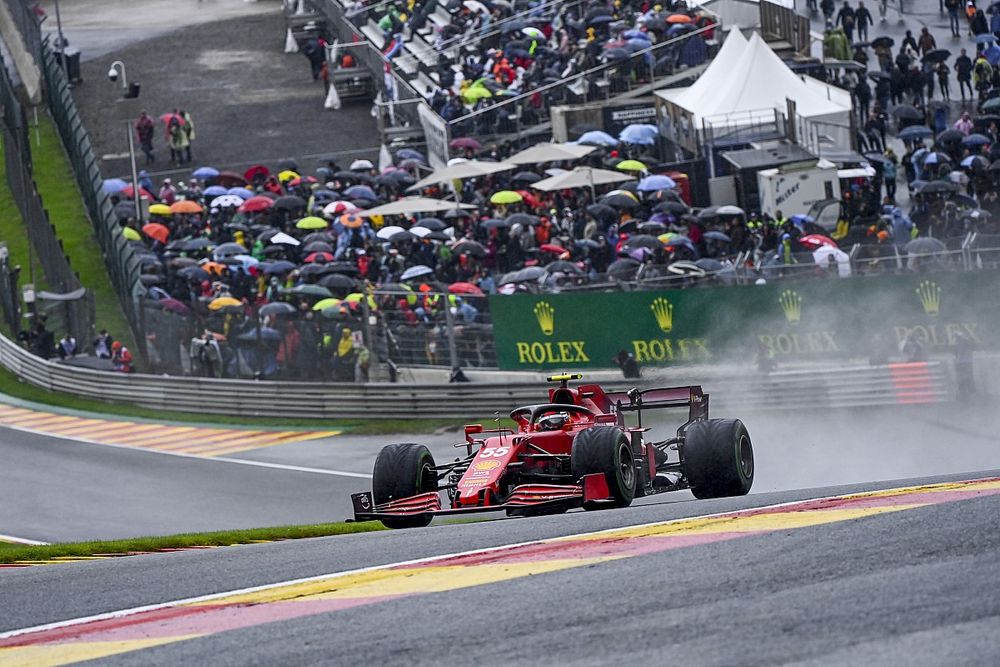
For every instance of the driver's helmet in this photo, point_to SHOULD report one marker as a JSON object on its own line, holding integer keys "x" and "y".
{"x": 554, "y": 421}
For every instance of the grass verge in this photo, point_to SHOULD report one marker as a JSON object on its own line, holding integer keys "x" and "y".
{"x": 12, "y": 386}
{"x": 57, "y": 186}
{"x": 10, "y": 553}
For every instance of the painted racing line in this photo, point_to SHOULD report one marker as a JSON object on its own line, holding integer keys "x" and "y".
{"x": 155, "y": 625}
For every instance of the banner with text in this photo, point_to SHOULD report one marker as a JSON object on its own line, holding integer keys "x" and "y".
{"x": 803, "y": 321}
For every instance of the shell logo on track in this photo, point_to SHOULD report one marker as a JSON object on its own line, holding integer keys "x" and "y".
{"x": 484, "y": 466}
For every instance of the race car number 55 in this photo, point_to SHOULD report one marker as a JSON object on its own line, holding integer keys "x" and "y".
{"x": 494, "y": 452}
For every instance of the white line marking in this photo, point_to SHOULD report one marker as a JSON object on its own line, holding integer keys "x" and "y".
{"x": 22, "y": 540}
{"x": 222, "y": 459}
{"x": 122, "y": 613}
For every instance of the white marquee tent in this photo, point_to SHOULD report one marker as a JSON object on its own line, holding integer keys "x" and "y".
{"x": 748, "y": 80}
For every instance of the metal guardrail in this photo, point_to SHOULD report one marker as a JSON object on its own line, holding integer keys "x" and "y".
{"x": 846, "y": 387}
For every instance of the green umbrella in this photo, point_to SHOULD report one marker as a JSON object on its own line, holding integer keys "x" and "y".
{"x": 506, "y": 197}
{"x": 630, "y": 165}
{"x": 312, "y": 222}
{"x": 476, "y": 93}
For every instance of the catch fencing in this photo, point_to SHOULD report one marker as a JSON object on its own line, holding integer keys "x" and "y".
{"x": 120, "y": 258}
{"x": 72, "y": 315}
{"x": 731, "y": 389}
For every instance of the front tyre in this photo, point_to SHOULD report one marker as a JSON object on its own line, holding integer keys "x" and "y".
{"x": 605, "y": 449}
{"x": 717, "y": 458}
{"x": 403, "y": 470}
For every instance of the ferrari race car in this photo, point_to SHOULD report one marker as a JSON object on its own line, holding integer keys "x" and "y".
{"x": 576, "y": 450}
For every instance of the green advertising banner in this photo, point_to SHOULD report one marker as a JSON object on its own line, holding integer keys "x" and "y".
{"x": 808, "y": 320}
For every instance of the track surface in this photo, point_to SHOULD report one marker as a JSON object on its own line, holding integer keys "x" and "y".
{"x": 911, "y": 586}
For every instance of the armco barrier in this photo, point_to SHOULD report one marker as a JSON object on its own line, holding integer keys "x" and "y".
{"x": 795, "y": 390}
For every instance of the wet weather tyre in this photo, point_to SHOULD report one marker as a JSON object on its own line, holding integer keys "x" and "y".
{"x": 403, "y": 470}
{"x": 718, "y": 458}
{"x": 605, "y": 449}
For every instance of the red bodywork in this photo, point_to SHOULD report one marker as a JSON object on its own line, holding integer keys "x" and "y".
{"x": 529, "y": 468}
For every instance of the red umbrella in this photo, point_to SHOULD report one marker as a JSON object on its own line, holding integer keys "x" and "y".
{"x": 813, "y": 241}
{"x": 155, "y": 230}
{"x": 256, "y": 171}
{"x": 325, "y": 256}
{"x": 466, "y": 142}
{"x": 230, "y": 179}
{"x": 143, "y": 193}
{"x": 552, "y": 247}
{"x": 256, "y": 205}
{"x": 465, "y": 288}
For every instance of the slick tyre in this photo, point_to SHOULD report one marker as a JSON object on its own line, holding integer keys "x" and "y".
{"x": 403, "y": 470}
{"x": 605, "y": 449}
{"x": 717, "y": 458}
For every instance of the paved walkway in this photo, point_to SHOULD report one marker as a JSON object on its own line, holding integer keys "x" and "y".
{"x": 224, "y": 62}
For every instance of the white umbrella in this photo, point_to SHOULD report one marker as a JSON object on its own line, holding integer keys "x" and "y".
{"x": 333, "y": 209}
{"x": 388, "y": 231}
{"x": 361, "y": 164}
{"x": 729, "y": 209}
{"x": 418, "y": 271}
{"x": 475, "y": 6}
{"x": 419, "y": 232}
{"x": 226, "y": 201}
{"x": 549, "y": 152}
{"x": 823, "y": 254}
{"x": 283, "y": 239}
{"x": 462, "y": 170}
{"x": 581, "y": 177}
{"x": 408, "y": 205}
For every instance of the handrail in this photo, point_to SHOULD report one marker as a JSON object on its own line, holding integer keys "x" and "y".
{"x": 732, "y": 387}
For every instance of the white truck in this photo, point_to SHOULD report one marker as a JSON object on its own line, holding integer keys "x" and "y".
{"x": 796, "y": 190}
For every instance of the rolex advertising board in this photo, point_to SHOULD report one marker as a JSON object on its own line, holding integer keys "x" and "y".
{"x": 807, "y": 320}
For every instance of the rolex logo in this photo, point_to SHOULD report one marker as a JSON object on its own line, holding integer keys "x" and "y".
{"x": 663, "y": 311}
{"x": 930, "y": 297}
{"x": 546, "y": 316}
{"x": 791, "y": 303}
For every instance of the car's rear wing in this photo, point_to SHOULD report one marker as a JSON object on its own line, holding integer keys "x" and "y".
{"x": 635, "y": 400}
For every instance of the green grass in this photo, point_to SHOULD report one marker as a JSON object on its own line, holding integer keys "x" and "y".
{"x": 12, "y": 232}
{"x": 12, "y": 386}
{"x": 57, "y": 186}
{"x": 10, "y": 553}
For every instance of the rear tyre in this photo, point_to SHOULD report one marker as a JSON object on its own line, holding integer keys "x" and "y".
{"x": 403, "y": 470}
{"x": 605, "y": 449}
{"x": 717, "y": 458}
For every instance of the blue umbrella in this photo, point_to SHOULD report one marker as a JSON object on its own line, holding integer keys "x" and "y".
{"x": 992, "y": 54}
{"x": 682, "y": 241}
{"x": 242, "y": 193}
{"x": 801, "y": 219}
{"x": 636, "y": 34}
{"x": 598, "y": 138}
{"x": 656, "y": 182}
{"x": 205, "y": 172}
{"x": 976, "y": 140}
{"x": 410, "y": 154}
{"x": 113, "y": 186}
{"x": 267, "y": 334}
{"x": 639, "y": 134}
{"x": 326, "y": 195}
{"x": 360, "y": 192}
{"x": 915, "y": 133}
{"x": 635, "y": 45}
{"x": 985, "y": 38}
{"x": 215, "y": 191}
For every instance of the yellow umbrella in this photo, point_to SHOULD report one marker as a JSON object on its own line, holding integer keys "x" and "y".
{"x": 160, "y": 209}
{"x": 475, "y": 93}
{"x": 131, "y": 234}
{"x": 356, "y": 297}
{"x": 630, "y": 165}
{"x": 224, "y": 302}
{"x": 506, "y": 197}
{"x": 287, "y": 175}
{"x": 326, "y": 303}
{"x": 311, "y": 222}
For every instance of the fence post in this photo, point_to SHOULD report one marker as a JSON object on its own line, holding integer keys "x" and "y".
{"x": 449, "y": 319}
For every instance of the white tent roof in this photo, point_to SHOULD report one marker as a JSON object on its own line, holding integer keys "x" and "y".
{"x": 581, "y": 177}
{"x": 758, "y": 80}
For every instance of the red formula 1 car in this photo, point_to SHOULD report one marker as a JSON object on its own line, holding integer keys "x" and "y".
{"x": 576, "y": 450}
